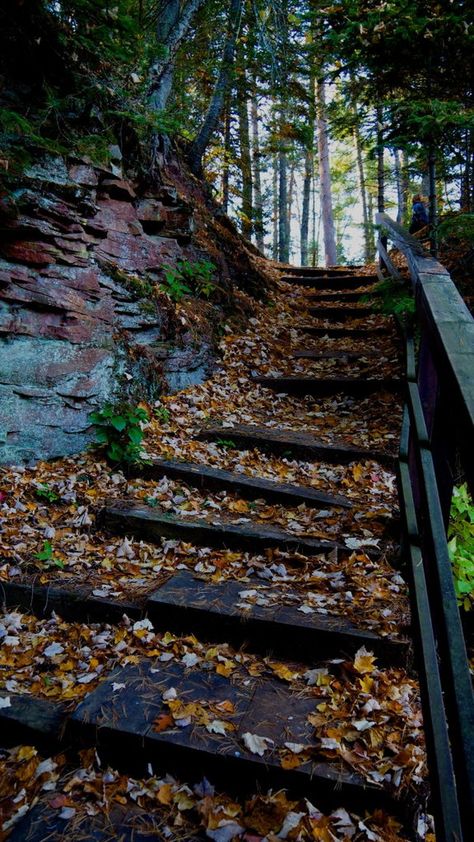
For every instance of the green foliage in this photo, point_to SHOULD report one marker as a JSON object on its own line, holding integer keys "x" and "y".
{"x": 47, "y": 555}
{"x": 461, "y": 545}
{"x": 228, "y": 444}
{"x": 161, "y": 413}
{"x": 393, "y": 299}
{"x": 119, "y": 429}
{"x": 44, "y": 492}
{"x": 459, "y": 226}
{"x": 187, "y": 277}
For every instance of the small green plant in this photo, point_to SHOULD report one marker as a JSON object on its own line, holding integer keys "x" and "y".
{"x": 173, "y": 284}
{"x": 119, "y": 429}
{"x": 393, "y": 298}
{"x": 161, "y": 413}
{"x": 187, "y": 277}
{"x": 151, "y": 501}
{"x": 44, "y": 492}
{"x": 228, "y": 444}
{"x": 47, "y": 555}
{"x": 461, "y": 545}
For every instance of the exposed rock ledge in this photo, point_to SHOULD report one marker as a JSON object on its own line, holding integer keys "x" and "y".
{"x": 73, "y": 332}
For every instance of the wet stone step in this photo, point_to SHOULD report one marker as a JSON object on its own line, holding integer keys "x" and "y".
{"x": 203, "y": 476}
{"x": 293, "y": 444}
{"x": 214, "y": 610}
{"x": 132, "y": 727}
{"x": 145, "y": 522}
{"x": 329, "y": 386}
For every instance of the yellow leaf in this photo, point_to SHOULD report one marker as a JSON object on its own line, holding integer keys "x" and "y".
{"x": 164, "y": 794}
{"x": 364, "y": 661}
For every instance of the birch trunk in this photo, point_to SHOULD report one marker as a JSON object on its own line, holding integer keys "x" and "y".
{"x": 172, "y": 28}
{"x": 245, "y": 158}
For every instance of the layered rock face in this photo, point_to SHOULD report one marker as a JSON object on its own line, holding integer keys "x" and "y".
{"x": 78, "y": 253}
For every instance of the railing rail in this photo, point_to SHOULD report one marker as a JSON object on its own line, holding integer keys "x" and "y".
{"x": 437, "y": 440}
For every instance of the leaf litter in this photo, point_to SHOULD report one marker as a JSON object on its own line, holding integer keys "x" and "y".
{"x": 366, "y": 717}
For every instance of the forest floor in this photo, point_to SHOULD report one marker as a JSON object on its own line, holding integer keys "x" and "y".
{"x": 214, "y": 627}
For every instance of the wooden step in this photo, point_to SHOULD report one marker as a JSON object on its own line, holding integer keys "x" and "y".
{"x": 125, "y": 725}
{"x": 337, "y": 281}
{"x": 346, "y": 330}
{"x": 320, "y": 270}
{"x": 186, "y": 604}
{"x": 337, "y": 295}
{"x": 145, "y": 522}
{"x": 252, "y": 488}
{"x": 357, "y": 386}
{"x": 341, "y": 314}
{"x": 295, "y": 444}
{"x": 345, "y": 356}
{"x": 123, "y": 823}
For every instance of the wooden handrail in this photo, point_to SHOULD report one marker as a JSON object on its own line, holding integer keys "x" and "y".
{"x": 437, "y": 436}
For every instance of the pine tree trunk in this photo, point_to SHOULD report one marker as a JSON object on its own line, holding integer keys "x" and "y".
{"x": 380, "y": 162}
{"x": 275, "y": 222}
{"x": 283, "y": 244}
{"x": 368, "y": 247}
{"x": 405, "y": 186}
{"x": 245, "y": 158}
{"x": 308, "y": 175}
{"x": 222, "y": 86}
{"x": 257, "y": 179}
{"x": 399, "y": 185}
{"x": 325, "y": 180}
{"x": 289, "y": 214}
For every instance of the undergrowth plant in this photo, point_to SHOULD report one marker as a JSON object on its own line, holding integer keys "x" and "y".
{"x": 186, "y": 278}
{"x": 393, "y": 298}
{"x": 120, "y": 429}
{"x": 461, "y": 545}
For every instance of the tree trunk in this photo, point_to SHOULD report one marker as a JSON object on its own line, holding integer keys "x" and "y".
{"x": 399, "y": 185}
{"x": 433, "y": 214}
{"x": 405, "y": 186}
{"x": 308, "y": 175}
{"x": 283, "y": 244}
{"x": 227, "y": 155}
{"x": 172, "y": 28}
{"x": 275, "y": 222}
{"x": 223, "y": 83}
{"x": 257, "y": 179}
{"x": 245, "y": 158}
{"x": 325, "y": 179}
{"x": 289, "y": 213}
{"x": 367, "y": 222}
{"x": 380, "y": 162}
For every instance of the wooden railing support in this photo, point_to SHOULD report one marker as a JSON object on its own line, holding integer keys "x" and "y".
{"x": 438, "y": 430}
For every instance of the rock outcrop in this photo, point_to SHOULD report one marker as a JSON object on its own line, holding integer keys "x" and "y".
{"x": 81, "y": 319}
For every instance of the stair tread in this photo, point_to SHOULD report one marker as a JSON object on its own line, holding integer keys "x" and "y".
{"x": 200, "y": 475}
{"x": 146, "y": 522}
{"x": 300, "y": 441}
